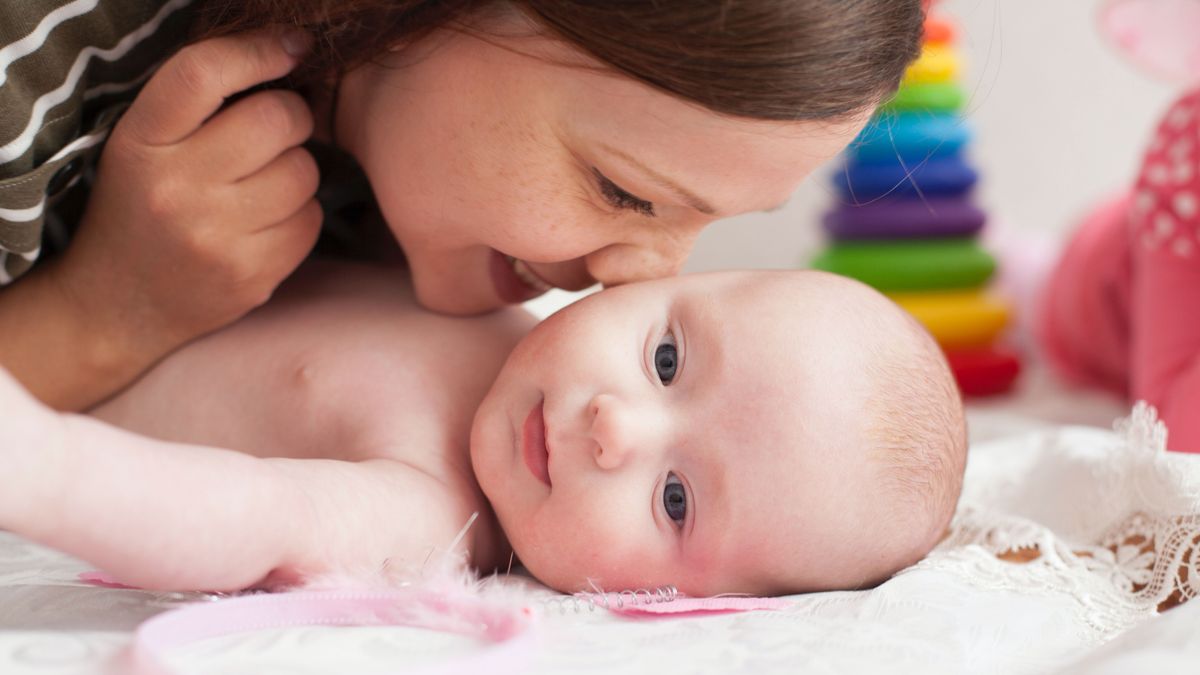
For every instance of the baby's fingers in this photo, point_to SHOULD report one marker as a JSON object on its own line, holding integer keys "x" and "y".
{"x": 193, "y": 83}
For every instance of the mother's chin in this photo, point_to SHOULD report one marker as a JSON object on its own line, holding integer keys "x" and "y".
{"x": 463, "y": 281}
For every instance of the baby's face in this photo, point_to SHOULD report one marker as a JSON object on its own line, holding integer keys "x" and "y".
{"x": 702, "y": 431}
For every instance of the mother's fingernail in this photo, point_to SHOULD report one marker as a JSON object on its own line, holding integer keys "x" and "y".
{"x": 296, "y": 42}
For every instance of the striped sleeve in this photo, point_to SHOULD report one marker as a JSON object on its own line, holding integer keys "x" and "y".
{"x": 68, "y": 68}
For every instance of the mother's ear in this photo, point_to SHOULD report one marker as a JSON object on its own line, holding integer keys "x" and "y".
{"x": 1159, "y": 36}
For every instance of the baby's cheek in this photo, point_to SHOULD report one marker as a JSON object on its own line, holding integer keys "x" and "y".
{"x": 618, "y": 563}
{"x": 570, "y": 556}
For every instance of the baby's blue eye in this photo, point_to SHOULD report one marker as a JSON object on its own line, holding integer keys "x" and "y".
{"x": 666, "y": 359}
{"x": 675, "y": 499}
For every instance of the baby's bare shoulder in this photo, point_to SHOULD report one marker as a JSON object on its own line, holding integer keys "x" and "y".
{"x": 342, "y": 362}
{"x": 392, "y": 373}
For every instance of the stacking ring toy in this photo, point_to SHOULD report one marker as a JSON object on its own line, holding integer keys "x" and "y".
{"x": 957, "y": 319}
{"x": 905, "y": 219}
{"x": 939, "y": 31}
{"x": 985, "y": 371}
{"x": 944, "y": 97}
{"x": 937, "y": 63}
{"x": 861, "y": 183}
{"x": 913, "y": 265}
{"x": 912, "y": 137}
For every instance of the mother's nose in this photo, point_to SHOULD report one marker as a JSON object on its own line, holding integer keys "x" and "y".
{"x": 622, "y": 431}
{"x": 624, "y": 263}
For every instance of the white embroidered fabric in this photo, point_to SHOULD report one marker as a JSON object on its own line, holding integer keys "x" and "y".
{"x": 1066, "y": 545}
{"x": 1113, "y": 520}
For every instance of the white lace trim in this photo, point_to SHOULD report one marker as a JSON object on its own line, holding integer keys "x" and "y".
{"x": 1126, "y": 548}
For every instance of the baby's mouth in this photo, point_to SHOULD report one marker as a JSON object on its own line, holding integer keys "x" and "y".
{"x": 534, "y": 448}
{"x": 527, "y": 275}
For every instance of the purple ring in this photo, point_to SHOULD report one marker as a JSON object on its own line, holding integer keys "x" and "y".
{"x": 906, "y": 218}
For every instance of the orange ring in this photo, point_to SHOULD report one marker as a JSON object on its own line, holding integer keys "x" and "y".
{"x": 939, "y": 30}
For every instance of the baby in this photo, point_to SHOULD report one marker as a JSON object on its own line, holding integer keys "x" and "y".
{"x": 759, "y": 432}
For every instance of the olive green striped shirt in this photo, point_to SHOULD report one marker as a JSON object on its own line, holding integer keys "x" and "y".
{"x": 68, "y": 68}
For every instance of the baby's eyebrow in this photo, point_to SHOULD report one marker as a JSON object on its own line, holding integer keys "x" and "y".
{"x": 704, "y": 361}
{"x": 705, "y": 348}
{"x": 712, "y": 517}
{"x": 685, "y": 195}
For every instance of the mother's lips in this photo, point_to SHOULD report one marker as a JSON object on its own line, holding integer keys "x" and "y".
{"x": 511, "y": 288}
{"x": 525, "y": 273}
{"x": 533, "y": 443}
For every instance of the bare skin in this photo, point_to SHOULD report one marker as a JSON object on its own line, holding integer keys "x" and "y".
{"x": 358, "y": 414}
{"x": 704, "y": 431}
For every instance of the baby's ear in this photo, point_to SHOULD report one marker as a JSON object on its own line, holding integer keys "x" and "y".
{"x": 1159, "y": 36}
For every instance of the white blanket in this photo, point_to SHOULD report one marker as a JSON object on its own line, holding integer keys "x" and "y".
{"x": 1066, "y": 539}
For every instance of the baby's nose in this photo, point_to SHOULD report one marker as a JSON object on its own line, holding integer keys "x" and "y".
{"x": 620, "y": 431}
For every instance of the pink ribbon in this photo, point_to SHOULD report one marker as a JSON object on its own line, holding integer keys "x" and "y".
{"x": 509, "y": 630}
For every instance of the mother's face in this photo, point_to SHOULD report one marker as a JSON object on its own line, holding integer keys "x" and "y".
{"x": 508, "y": 165}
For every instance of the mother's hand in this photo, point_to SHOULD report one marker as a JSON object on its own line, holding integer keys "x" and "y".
{"x": 197, "y": 214}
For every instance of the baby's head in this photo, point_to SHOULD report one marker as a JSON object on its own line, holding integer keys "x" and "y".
{"x": 758, "y": 432}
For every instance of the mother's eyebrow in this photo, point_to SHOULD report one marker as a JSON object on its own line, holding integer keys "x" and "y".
{"x": 686, "y": 196}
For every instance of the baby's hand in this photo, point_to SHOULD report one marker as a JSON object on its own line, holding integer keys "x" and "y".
{"x": 197, "y": 213}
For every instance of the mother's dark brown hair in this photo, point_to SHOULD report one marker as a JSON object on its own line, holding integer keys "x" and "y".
{"x": 762, "y": 59}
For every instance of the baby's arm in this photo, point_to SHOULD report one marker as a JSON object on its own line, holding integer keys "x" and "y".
{"x": 1166, "y": 282}
{"x": 173, "y": 516}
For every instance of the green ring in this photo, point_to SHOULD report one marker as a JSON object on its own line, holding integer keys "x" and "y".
{"x": 912, "y": 265}
{"x": 936, "y": 97}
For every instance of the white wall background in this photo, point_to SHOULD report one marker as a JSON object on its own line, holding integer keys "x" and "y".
{"x": 1060, "y": 120}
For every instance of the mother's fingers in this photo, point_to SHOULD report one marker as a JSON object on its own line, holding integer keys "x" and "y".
{"x": 281, "y": 247}
{"x": 193, "y": 83}
{"x": 280, "y": 189}
{"x": 250, "y": 134}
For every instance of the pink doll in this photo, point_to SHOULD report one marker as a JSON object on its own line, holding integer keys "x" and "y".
{"x": 1118, "y": 311}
